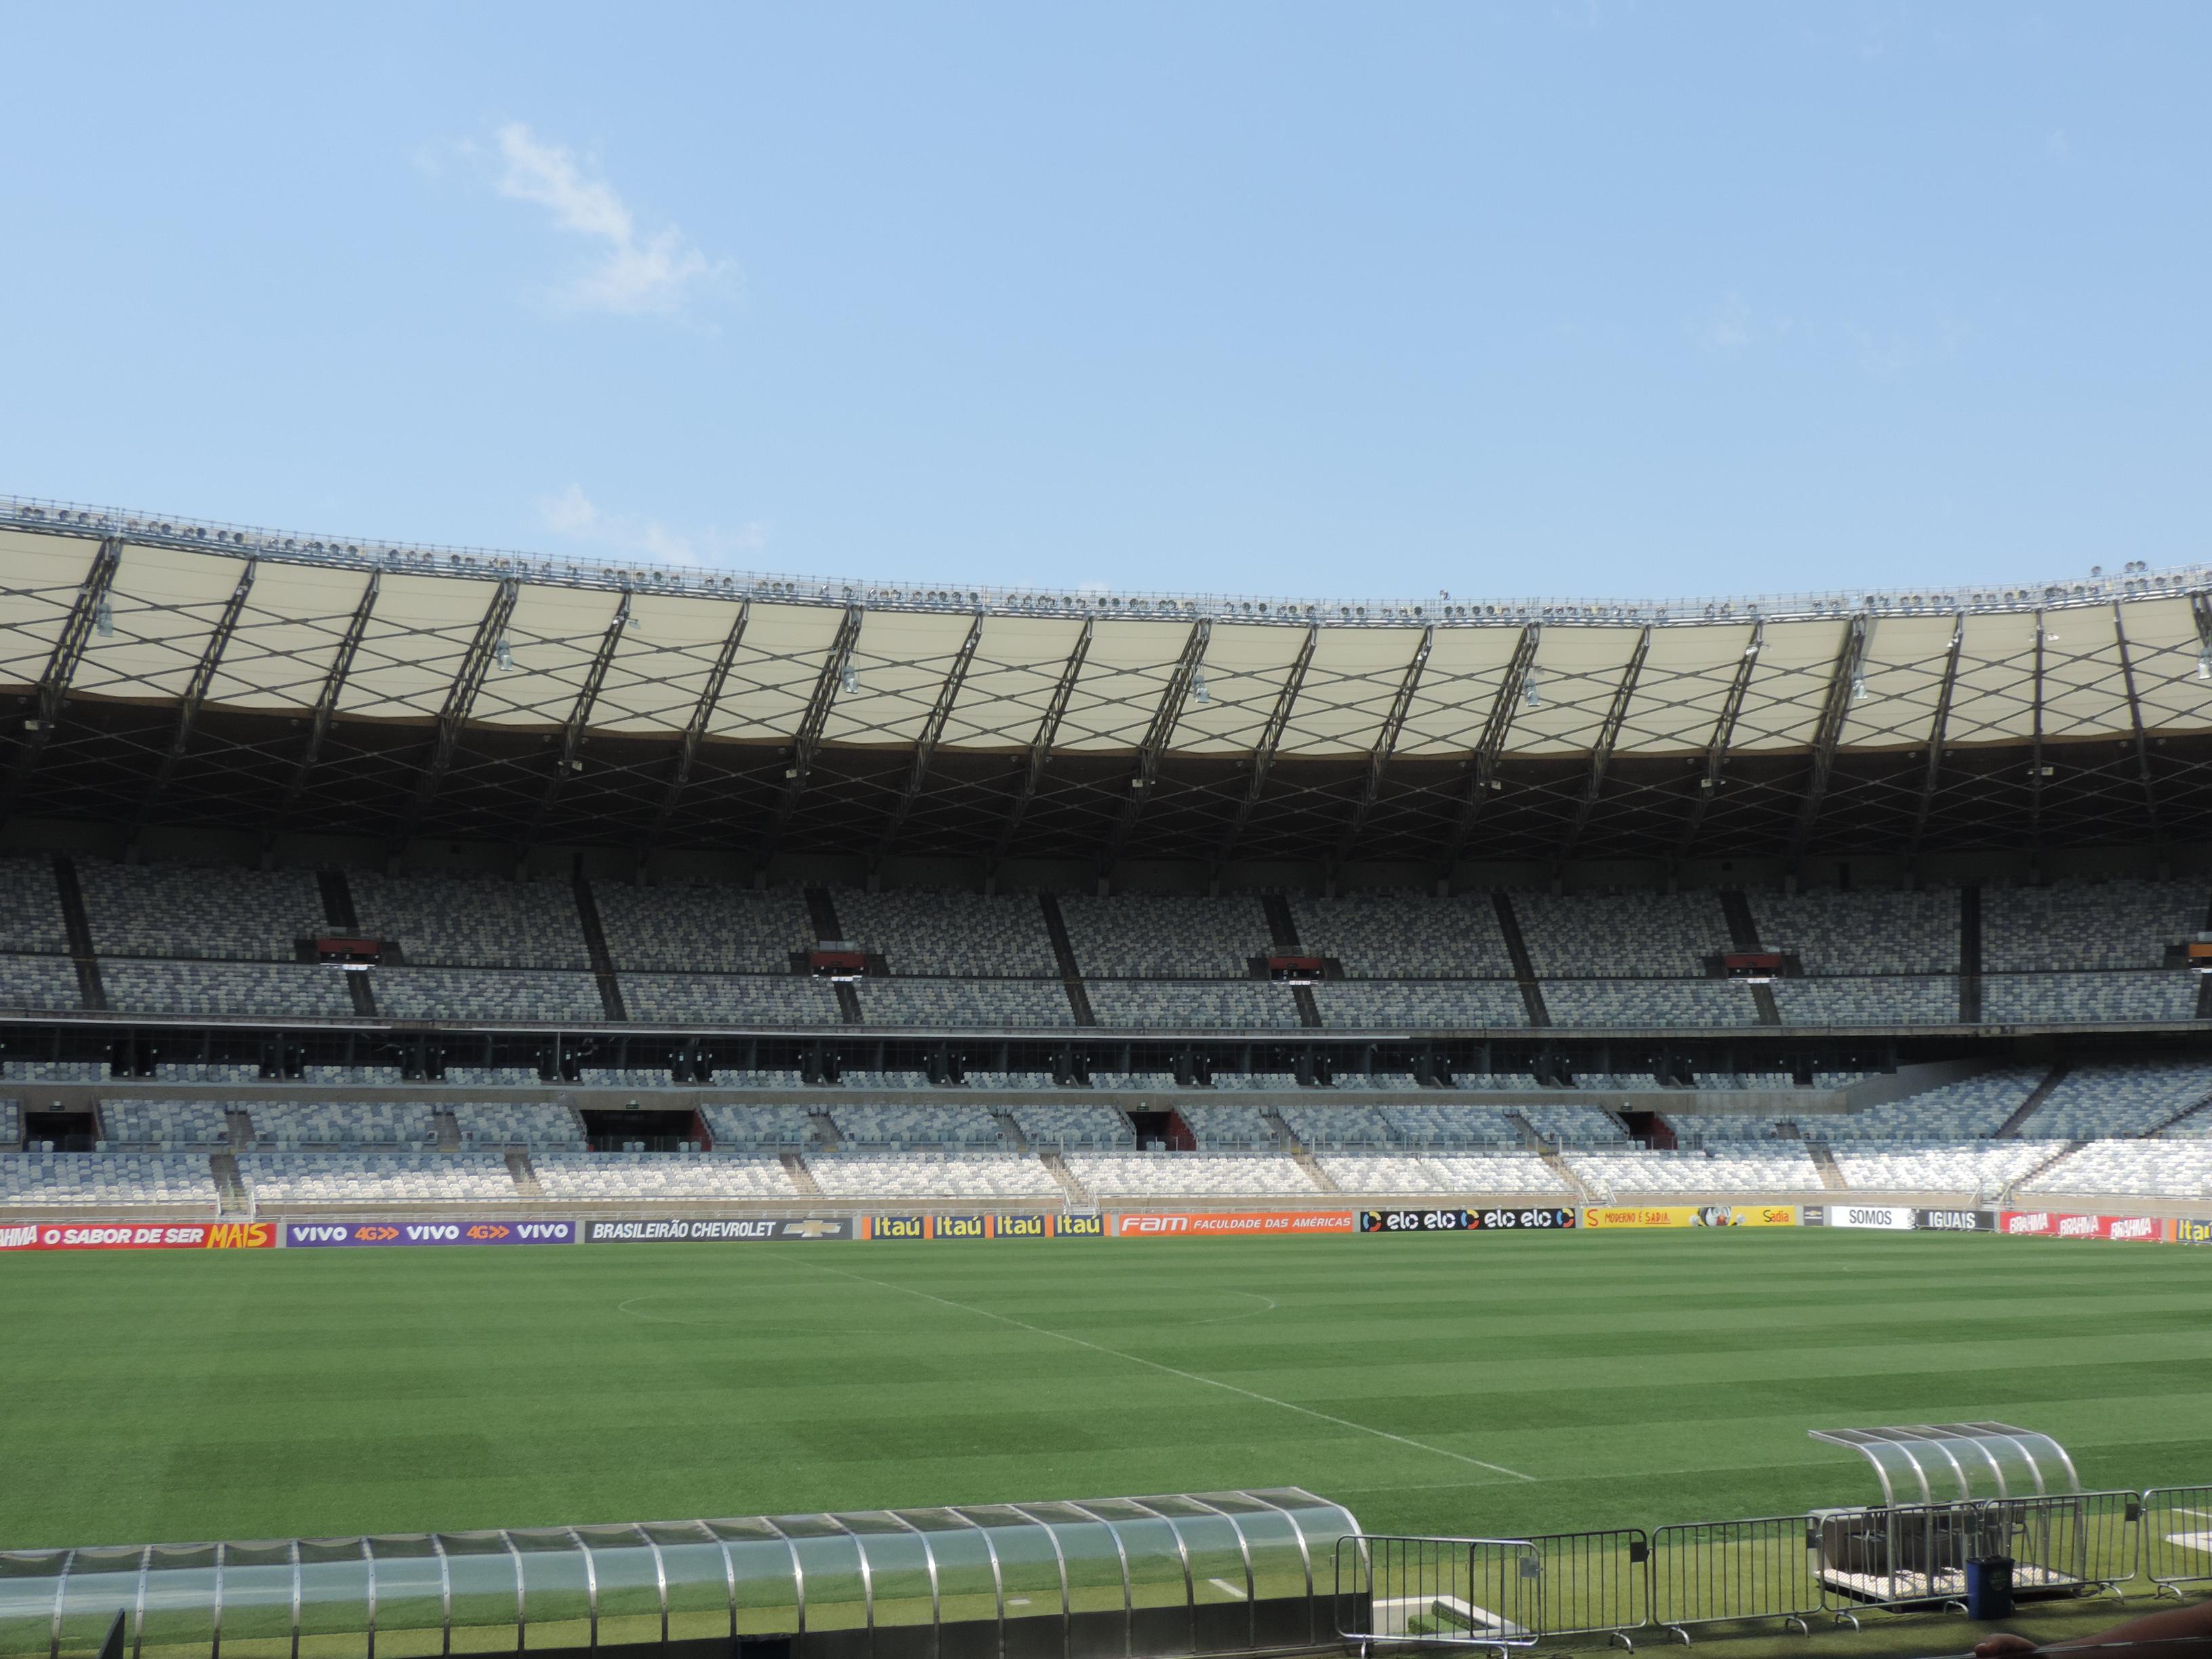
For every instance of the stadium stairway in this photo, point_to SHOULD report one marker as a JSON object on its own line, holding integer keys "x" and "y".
{"x": 2199, "y": 1109}
{"x": 1824, "y": 1161}
{"x": 2005, "y": 1198}
{"x": 802, "y": 1178}
{"x": 1056, "y": 1167}
{"x": 1556, "y": 1162}
{"x": 2010, "y": 1128}
{"x": 825, "y": 1127}
{"x": 231, "y": 1196}
{"x": 446, "y": 1130}
{"x": 1012, "y": 1131}
{"x": 1287, "y": 1142}
{"x": 525, "y": 1178}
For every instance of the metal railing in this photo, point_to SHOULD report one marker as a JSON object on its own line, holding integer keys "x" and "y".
{"x": 2175, "y": 1529}
{"x": 1438, "y": 1592}
{"x": 75, "y": 517}
{"x": 1723, "y": 1573}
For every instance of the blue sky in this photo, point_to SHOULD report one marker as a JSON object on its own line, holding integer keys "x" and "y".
{"x": 1584, "y": 298}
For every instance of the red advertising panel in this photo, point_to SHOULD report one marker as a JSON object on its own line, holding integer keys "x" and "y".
{"x": 140, "y": 1236}
{"x": 1238, "y": 1224}
{"x": 2044, "y": 1224}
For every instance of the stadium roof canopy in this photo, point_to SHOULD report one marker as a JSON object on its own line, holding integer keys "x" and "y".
{"x": 166, "y": 671}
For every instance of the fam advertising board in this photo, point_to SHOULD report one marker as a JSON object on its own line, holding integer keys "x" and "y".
{"x": 1469, "y": 1221}
{"x": 1692, "y": 1215}
{"x": 930, "y": 1227}
{"x": 2044, "y": 1224}
{"x": 749, "y": 1229}
{"x": 140, "y": 1236}
{"x": 327, "y": 1235}
{"x": 1244, "y": 1224}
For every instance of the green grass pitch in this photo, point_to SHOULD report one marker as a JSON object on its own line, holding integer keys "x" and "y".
{"x": 1634, "y": 1378}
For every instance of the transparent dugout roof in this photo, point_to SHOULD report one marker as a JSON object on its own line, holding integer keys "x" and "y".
{"x": 1188, "y": 1574}
{"x": 1937, "y": 1462}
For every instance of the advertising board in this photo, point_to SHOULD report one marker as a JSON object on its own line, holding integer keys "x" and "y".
{"x": 1691, "y": 1215}
{"x": 747, "y": 1229}
{"x": 140, "y": 1236}
{"x": 982, "y": 1226}
{"x": 1956, "y": 1221}
{"x": 1880, "y": 1217}
{"x": 2192, "y": 1233}
{"x": 1246, "y": 1223}
{"x": 1473, "y": 1221}
{"x": 2044, "y": 1224}
{"x": 328, "y": 1235}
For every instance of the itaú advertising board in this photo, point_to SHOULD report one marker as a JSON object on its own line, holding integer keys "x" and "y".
{"x": 1692, "y": 1215}
{"x": 1236, "y": 1224}
{"x": 140, "y": 1236}
{"x": 920, "y": 1227}
{"x": 2044, "y": 1224}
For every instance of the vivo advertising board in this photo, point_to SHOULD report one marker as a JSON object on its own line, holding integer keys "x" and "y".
{"x": 327, "y": 1235}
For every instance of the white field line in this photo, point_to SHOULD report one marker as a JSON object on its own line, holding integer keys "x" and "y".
{"x": 1170, "y": 1370}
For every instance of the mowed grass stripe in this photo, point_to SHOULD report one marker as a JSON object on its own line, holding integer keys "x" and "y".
{"x": 1645, "y": 1378}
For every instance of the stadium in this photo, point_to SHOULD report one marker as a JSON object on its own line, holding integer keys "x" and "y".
{"x": 1383, "y": 1072}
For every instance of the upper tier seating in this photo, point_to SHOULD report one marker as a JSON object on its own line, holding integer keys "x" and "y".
{"x": 1482, "y": 1176}
{"x": 1574, "y": 1125}
{"x": 1221, "y": 1125}
{"x": 1871, "y": 956}
{"x": 1406, "y": 935}
{"x": 611, "y": 1175}
{"x": 11, "y": 1125}
{"x": 978, "y": 1002}
{"x": 332, "y": 1123}
{"x": 222, "y": 911}
{"x": 269, "y": 990}
{"x": 1435, "y": 1123}
{"x": 509, "y": 1123}
{"x": 961, "y": 935}
{"x": 174, "y": 1124}
{"x": 2109, "y": 1101}
{"x": 286, "y": 1178}
{"x": 1164, "y": 1005}
{"x": 1149, "y": 936}
{"x": 2109, "y": 927}
{"x": 470, "y": 922}
{"x": 1385, "y": 1005}
{"x": 760, "y": 999}
{"x": 89, "y": 1180}
{"x": 1728, "y": 1126}
{"x": 1100, "y": 1126}
{"x": 916, "y": 1125}
{"x": 910, "y": 1174}
{"x": 1973, "y": 1107}
{"x": 1340, "y": 1125}
{"x": 2131, "y": 1169}
{"x": 715, "y": 927}
{"x": 740, "y": 1126}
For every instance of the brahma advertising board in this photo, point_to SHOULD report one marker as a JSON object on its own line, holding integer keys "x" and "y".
{"x": 140, "y": 1236}
{"x": 2044, "y": 1224}
{"x": 338, "y": 1235}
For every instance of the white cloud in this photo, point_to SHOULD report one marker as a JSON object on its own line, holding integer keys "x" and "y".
{"x": 636, "y": 272}
{"x": 573, "y": 516}
{"x": 1729, "y": 329}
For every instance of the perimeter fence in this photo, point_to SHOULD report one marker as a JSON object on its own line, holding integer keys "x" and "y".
{"x": 1831, "y": 1565}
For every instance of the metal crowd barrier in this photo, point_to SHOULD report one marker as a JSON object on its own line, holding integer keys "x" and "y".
{"x": 1724, "y": 1572}
{"x": 2176, "y": 1530}
{"x": 1397, "y": 1591}
{"x": 1594, "y": 1583}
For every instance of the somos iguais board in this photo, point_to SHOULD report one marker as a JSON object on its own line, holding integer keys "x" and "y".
{"x": 1693, "y": 1215}
{"x": 140, "y": 1236}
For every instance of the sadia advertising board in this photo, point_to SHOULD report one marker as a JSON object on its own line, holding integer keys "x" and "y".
{"x": 140, "y": 1236}
{"x": 748, "y": 1230}
{"x": 1692, "y": 1215}
{"x": 326, "y": 1235}
{"x": 1247, "y": 1224}
{"x": 2044, "y": 1224}
{"x": 1473, "y": 1221}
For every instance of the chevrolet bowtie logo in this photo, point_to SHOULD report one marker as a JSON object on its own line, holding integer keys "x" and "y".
{"x": 810, "y": 1229}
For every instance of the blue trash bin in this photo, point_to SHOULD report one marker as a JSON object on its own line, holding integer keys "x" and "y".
{"x": 1989, "y": 1587}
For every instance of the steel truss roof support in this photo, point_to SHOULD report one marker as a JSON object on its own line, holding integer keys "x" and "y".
{"x": 806, "y": 743}
{"x": 1709, "y": 782}
{"x": 62, "y": 664}
{"x": 1482, "y": 780}
{"x": 460, "y": 698}
{"x": 2035, "y": 765}
{"x": 695, "y": 730}
{"x": 1047, "y": 733}
{"x": 188, "y": 712}
{"x": 1608, "y": 736}
{"x": 2136, "y": 720}
{"x": 933, "y": 732}
{"x": 1938, "y": 728}
{"x": 1844, "y": 687}
{"x": 326, "y": 706}
{"x": 580, "y": 718}
{"x": 1271, "y": 740}
{"x": 1155, "y": 744}
{"x": 1386, "y": 744}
